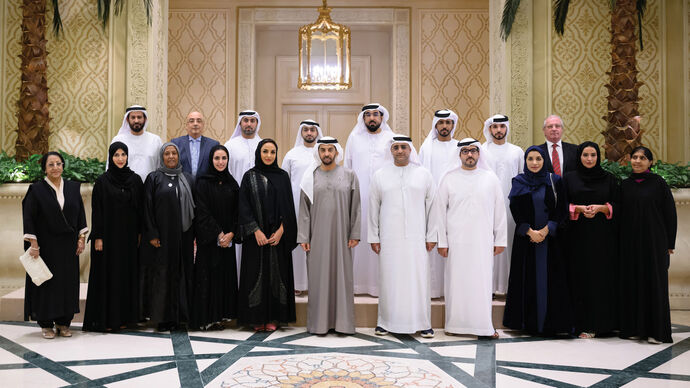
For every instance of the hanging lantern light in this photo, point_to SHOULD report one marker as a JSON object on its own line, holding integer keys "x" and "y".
{"x": 324, "y": 54}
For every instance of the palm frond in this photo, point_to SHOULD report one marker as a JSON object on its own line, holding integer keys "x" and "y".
{"x": 148, "y": 6}
{"x": 560, "y": 13}
{"x": 509, "y": 10}
{"x": 641, "y": 8}
{"x": 57, "y": 20}
{"x": 104, "y": 9}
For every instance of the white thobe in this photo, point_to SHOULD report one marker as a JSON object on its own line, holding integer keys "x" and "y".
{"x": 143, "y": 152}
{"x": 400, "y": 203}
{"x": 366, "y": 153}
{"x": 240, "y": 160}
{"x": 241, "y": 157}
{"x": 296, "y": 162}
{"x": 441, "y": 154}
{"x": 471, "y": 221}
{"x": 508, "y": 162}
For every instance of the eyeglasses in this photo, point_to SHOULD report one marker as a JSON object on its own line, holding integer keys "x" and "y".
{"x": 467, "y": 151}
{"x": 374, "y": 114}
{"x": 57, "y": 164}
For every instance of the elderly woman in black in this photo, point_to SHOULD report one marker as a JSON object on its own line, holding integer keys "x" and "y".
{"x": 269, "y": 230}
{"x": 216, "y": 222}
{"x": 167, "y": 254}
{"x": 592, "y": 243}
{"x": 55, "y": 229}
{"x": 112, "y": 301}
{"x": 648, "y": 237}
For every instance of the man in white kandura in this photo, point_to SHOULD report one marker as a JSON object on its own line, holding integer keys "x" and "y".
{"x": 242, "y": 144}
{"x": 143, "y": 146}
{"x": 471, "y": 230}
{"x": 296, "y": 162}
{"x": 400, "y": 232}
{"x": 365, "y": 152}
{"x": 437, "y": 153}
{"x": 241, "y": 147}
{"x": 508, "y": 162}
{"x": 328, "y": 228}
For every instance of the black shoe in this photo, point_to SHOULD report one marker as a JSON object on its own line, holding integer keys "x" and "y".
{"x": 380, "y": 331}
{"x": 429, "y": 333}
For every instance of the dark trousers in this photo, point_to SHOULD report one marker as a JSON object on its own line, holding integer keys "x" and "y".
{"x": 62, "y": 321}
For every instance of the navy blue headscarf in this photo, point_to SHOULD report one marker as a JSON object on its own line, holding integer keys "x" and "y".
{"x": 529, "y": 181}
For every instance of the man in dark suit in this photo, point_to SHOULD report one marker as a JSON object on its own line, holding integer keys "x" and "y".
{"x": 562, "y": 156}
{"x": 194, "y": 148}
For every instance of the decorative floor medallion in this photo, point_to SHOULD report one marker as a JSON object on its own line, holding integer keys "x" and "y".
{"x": 332, "y": 371}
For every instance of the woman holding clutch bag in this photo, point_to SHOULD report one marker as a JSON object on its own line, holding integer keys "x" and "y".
{"x": 55, "y": 230}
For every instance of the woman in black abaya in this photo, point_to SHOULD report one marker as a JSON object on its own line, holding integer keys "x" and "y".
{"x": 216, "y": 223}
{"x": 592, "y": 242}
{"x": 55, "y": 228}
{"x": 538, "y": 299}
{"x": 112, "y": 301}
{"x": 269, "y": 231}
{"x": 648, "y": 236}
{"x": 167, "y": 253}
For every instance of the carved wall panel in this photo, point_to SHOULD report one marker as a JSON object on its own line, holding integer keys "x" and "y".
{"x": 454, "y": 66}
{"x": 520, "y": 71}
{"x": 197, "y": 71}
{"x": 580, "y": 61}
{"x": 78, "y": 81}
{"x": 11, "y": 35}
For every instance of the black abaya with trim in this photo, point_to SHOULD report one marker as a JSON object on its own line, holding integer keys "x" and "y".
{"x": 592, "y": 253}
{"x": 266, "y": 292}
{"x": 57, "y": 231}
{"x": 538, "y": 299}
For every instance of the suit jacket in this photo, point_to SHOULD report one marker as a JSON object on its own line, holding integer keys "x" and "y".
{"x": 569, "y": 155}
{"x": 203, "y": 165}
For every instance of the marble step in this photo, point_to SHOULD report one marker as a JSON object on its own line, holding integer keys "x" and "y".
{"x": 366, "y": 308}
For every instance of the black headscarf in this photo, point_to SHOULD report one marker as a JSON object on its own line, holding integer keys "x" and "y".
{"x": 271, "y": 171}
{"x": 595, "y": 173}
{"x": 213, "y": 174}
{"x": 529, "y": 181}
{"x": 119, "y": 177}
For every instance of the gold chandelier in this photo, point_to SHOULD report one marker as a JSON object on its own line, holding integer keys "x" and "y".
{"x": 324, "y": 54}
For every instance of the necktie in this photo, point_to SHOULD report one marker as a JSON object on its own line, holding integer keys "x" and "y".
{"x": 555, "y": 160}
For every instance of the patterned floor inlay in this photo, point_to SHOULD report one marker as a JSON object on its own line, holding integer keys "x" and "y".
{"x": 293, "y": 358}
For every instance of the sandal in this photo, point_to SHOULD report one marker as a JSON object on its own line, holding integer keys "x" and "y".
{"x": 586, "y": 335}
{"x": 260, "y": 328}
{"x": 271, "y": 327}
{"x": 48, "y": 333}
{"x": 495, "y": 335}
{"x": 63, "y": 331}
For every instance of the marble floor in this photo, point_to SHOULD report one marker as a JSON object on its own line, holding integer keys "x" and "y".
{"x": 291, "y": 357}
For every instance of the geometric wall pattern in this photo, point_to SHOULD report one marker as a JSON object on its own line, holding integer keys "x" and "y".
{"x": 580, "y": 60}
{"x": 11, "y": 34}
{"x": 197, "y": 71}
{"x": 77, "y": 79}
{"x": 454, "y": 67}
